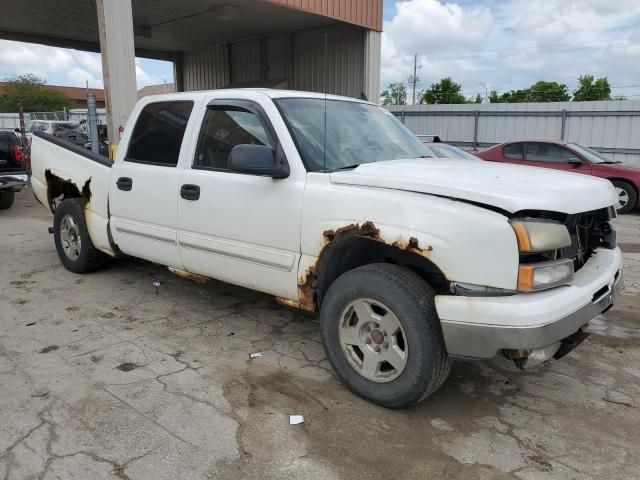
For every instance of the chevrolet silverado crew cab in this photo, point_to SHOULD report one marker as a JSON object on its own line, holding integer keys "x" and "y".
{"x": 331, "y": 205}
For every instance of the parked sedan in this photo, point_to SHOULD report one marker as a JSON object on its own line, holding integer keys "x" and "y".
{"x": 573, "y": 158}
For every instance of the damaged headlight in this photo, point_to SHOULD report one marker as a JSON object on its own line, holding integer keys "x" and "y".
{"x": 538, "y": 243}
{"x": 540, "y": 235}
{"x": 538, "y": 276}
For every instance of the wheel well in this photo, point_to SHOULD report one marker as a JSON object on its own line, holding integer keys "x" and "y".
{"x": 59, "y": 189}
{"x": 344, "y": 255}
{"x": 631, "y": 184}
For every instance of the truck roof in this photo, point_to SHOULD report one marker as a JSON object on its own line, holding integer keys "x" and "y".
{"x": 269, "y": 92}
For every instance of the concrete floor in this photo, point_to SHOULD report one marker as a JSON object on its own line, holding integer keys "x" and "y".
{"x": 102, "y": 378}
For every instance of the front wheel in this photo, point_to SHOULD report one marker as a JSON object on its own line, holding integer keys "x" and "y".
{"x": 627, "y": 196}
{"x": 71, "y": 235}
{"x": 382, "y": 335}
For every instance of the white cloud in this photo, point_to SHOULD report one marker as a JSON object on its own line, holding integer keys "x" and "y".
{"x": 59, "y": 65}
{"x": 513, "y": 43}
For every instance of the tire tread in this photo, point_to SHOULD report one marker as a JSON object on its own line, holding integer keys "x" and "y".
{"x": 7, "y": 198}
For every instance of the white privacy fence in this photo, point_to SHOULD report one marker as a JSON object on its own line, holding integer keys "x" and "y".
{"x": 612, "y": 127}
{"x": 9, "y": 120}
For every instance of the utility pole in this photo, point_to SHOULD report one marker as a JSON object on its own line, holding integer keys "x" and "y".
{"x": 413, "y": 79}
{"x": 486, "y": 92}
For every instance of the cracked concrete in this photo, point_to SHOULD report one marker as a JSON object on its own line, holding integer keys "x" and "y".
{"x": 103, "y": 379}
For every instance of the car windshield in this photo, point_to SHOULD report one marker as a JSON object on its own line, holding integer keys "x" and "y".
{"x": 442, "y": 150}
{"x": 589, "y": 154}
{"x": 356, "y": 133}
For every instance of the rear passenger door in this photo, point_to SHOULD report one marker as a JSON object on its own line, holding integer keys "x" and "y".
{"x": 239, "y": 228}
{"x": 143, "y": 194}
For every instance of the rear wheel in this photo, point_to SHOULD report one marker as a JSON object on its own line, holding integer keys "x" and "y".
{"x": 73, "y": 243}
{"x": 627, "y": 196}
{"x": 382, "y": 335}
{"x": 7, "y": 198}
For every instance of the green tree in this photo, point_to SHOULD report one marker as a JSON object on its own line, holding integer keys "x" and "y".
{"x": 588, "y": 89}
{"x": 538, "y": 92}
{"x": 548, "y": 92}
{"x": 394, "y": 94}
{"x": 478, "y": 99}
{"x": 445, "y": 91}
{"x": 513, "y": 96}
{"x": 32, "y": 93}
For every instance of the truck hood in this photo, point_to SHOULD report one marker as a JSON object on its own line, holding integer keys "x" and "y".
{"x": 507, "y": 187}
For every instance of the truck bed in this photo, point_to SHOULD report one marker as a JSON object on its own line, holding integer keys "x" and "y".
{"x": 57, "y": 164}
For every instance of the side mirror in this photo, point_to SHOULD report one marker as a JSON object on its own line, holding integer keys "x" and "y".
{"x": 575, "y": 161}
{"x": 257, "y": 160}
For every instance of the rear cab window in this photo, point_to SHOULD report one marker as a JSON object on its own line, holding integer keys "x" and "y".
{"x": 158, "y": 133}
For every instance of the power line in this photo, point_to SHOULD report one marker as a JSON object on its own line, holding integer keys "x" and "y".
{"x": 539, "y": 51}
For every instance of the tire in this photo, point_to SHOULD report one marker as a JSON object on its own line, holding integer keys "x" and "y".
{"x": 73, "y": 243}
{"x": 629, "y": 192}
{"x": 410, "y": 300}
{"x": 7, "y": 197}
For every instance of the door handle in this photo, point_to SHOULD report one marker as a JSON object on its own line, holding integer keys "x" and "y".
{"x": 124, "y": 183}
{"x": 190, "y": 192}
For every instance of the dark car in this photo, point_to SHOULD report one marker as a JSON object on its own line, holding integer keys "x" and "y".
{"x": 12, "y": 174}
{"x": 571, "y": 157}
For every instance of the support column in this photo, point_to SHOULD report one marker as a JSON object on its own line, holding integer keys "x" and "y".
{"x": 178, "y": 71}
{"x": 115, "y": 24}
{"x": 372, "y": 53}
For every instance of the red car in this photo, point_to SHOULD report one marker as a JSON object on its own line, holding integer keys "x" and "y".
{"x": 571, "y": 157}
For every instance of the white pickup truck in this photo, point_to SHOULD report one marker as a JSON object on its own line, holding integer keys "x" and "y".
{"x": 331, "y": 205}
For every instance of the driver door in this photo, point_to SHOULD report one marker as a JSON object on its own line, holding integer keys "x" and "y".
{"x": 239, "y": 228}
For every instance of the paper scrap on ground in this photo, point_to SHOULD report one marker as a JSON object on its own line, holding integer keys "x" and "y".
{"x": 256, "y": 355}
{"x": 296, "y": 419}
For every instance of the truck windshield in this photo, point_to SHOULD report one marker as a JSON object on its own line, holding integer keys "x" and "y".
{"x": 356, "y": 133}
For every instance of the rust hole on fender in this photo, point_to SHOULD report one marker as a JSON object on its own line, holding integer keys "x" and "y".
{"x": 308, "y": 281}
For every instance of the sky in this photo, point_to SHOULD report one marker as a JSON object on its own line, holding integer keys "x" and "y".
{"x": 497, "y": 44}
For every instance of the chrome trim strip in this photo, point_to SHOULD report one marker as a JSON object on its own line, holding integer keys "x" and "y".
{"x": 145, "y": 235}
{"x": 223, "y": 253}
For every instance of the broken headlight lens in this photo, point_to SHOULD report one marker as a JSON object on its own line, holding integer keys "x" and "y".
{"x": 540, "y": 235}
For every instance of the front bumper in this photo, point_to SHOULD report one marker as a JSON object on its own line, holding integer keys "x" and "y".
{"x": 479, "y": 327}
{"x": 13, "y": 180}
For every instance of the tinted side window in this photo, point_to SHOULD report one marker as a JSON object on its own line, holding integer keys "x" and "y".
{"x": 514, "y": 151}
{"x": 547, "y": 152}
{"x": 157, "y": 136}
{"x": 5, "y": 147}
{"x": 222, "y": 129}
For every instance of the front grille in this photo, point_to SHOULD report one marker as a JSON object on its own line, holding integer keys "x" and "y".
{"x": 588, "y": 230}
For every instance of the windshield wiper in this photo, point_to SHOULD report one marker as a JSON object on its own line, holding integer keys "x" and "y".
{"x": 609, "y": 162}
